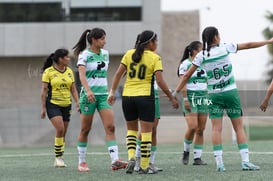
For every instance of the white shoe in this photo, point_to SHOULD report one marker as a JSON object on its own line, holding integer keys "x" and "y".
{"x": 137, "y": 166}
{"x": 59, "y": 163}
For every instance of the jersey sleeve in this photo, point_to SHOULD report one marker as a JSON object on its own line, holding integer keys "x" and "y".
{"x": 231, "y": 47}
{"x": 45, "y": 77}
{"x": 72, "y": 75}
{"x": 81, "y": 60}
{"x": 198, "y": 60}
{"x": 183, "y": 68}
{"x": 158, "y": 64}
{"x": 124, "y": 59}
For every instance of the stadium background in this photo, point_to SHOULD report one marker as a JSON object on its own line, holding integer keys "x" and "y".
{"x": 27, "y": 37}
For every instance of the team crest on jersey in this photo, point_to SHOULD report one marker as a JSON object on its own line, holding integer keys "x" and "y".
{"x": 55, "y": 76}
{"x": 69, "y": 75}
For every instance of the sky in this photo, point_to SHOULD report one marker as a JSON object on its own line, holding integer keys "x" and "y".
{"x": 238, "y": 21}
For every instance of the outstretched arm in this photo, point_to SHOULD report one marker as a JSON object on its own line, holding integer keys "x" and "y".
{"x": 268, "y": 94}
{"x": 120, "y": 72}
{"x": 249, "y": 45}
{"x": 184, "y": 79}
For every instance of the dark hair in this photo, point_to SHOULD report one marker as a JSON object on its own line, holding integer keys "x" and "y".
{"x": 144, "y": 38}
{"x": 137, "y": 39}
{"x": 207, "y": 37}
{"x": 87, "y": 35}
{"x": 189, "y": 52}
{"x": 54, "y": 57}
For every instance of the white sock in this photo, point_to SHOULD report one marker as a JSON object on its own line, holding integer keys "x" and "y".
{"x": 82, "y": 153}
{"x": 113, "y": 152}
{"x": 187, "y": 146}
{"x": 138, "y": 151}
{"x": 244, "y": 155}
{"x": 152, "y": 158}
{"x": 218, "y": 157}
{"x": 197, "y": 153}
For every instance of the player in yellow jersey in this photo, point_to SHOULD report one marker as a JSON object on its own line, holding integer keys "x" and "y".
{"x": 57, "y": 87}
{"x": 138, "y": 100}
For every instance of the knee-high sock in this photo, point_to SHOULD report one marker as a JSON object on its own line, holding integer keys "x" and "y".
{"x": 244, "y": 152}
{"x": 82, "y": 149}
{"x": 146, "y": 143}
{"x": 197, "y": 151}
{"x": 153, "y": 153}
{"x": 218, "y": 154}
{"x": 131, "y": 143}
{"x": 58, "y": 146}
{"x": 138, "y": 149}
{"x": 113, "y": 150}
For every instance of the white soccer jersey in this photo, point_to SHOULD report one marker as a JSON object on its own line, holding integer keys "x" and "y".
{"x": 218, "y": 67}
{"x": 96, "y": 70}
{"x": 198, "y": 80}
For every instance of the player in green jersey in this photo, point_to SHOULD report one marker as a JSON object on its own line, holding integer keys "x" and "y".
{"x": 93, "y": 68}
{"x": 222, "y": 91}
{"x": 194, "y": 104}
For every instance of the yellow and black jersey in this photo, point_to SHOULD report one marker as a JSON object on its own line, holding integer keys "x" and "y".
{"x": 59, "y": 85}
{"x": 140, "y": 76}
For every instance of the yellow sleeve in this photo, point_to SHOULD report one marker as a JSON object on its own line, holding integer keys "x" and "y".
{"x": 45, "y": 77}
{"x": 158, "y": 64}
{"x": 71, "y": 73}
{"x": 124, "y": 59}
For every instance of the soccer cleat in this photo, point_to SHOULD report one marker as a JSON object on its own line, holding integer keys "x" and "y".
{"x": 156, "y": 169}
{"x": 148, "y": 170}
{"x": 220, "y": 168}
{"x": 247, "y": 166}
{"x": 199, "y": 161}
{"x": 83, "y": 167}
{"x": 59, "y": 162}
{"x": 131, "y": 165}
{"x": 119, "y": 164}
{"x": 137, "y": 166}
{"x": 186, "y": 156}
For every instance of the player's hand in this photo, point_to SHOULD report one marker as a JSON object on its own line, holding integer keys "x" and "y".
{"x": 264, "y": 105}
{"x": 111, "y": 98}
{"x": 174, "y": 103}
{"x": 91, "y": 96}
{"x": 43, "y": 113}
{"x": 187, "y": 105}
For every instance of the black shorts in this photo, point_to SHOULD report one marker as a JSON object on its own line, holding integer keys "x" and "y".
{"x": 139, "y": 107}
{"x": 55, "y": 110}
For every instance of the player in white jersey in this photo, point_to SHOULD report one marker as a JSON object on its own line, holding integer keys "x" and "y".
{"x": 194, "y": 104}
{"x": 93, "y": 67}
{"x": 222, "y": 92}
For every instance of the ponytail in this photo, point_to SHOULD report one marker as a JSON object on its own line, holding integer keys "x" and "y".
{"x": 208, "y": 37}
{"x": 87, "y": 35}
{"x": 143, "y": 39}
{"x": 48, "y": 62}
{"x": 81, "y": 45}
{"x": 195, "y": 45}
{"x": 54, "y": 58}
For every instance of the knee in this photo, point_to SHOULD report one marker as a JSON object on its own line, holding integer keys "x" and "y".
{"x": 193, "y": 128}
{"x": 200, "y": 131}
{"x": 60, "y": 131}
{"x": 85, "y": 131}
{"x": 110, "y": 129}
{"x": 217, "y": 129}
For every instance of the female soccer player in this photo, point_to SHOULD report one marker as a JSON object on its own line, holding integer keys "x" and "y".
{"x": 93, "y": 65}
{"x": 138, "y": 100}
{"x": 222, "y": 91}
{"x": 57, "y": 87}
{"x": 194, "y": 104}
{"x": 268, "y": 94}
{"x": 154, "y": 132}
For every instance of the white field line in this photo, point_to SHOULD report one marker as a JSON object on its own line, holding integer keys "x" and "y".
{"x": 121, "y": 153}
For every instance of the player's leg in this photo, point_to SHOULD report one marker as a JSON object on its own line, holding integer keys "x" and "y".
{"x": 234, "y": 111}
{"x": 86, "y": 124}
{"x": 131, "y": 115}
{"x": 138, "y": 153}
{"x": 66, "y": 112}
{"x": 107, "y": 117}
{"x": 87, "y": 110}
{"x": 199, "y": 140}
{"x": 191, "y": 119}
{"x": 54, "y": 113}
{"x": 57, "y": 122}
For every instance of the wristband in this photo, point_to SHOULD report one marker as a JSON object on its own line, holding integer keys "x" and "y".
{"x": 185, "y": 99}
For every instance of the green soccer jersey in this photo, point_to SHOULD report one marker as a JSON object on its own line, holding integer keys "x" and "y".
{"x": 96, "y": 70}
{"x": 218, "y": 67}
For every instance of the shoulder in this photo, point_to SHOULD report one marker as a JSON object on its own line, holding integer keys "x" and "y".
{"x": 68, "y": 69}
{"x": 49, "y": 70}
{"x": 103, "y": 51}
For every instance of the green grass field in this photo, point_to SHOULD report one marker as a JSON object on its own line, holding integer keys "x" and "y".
{"x": 36, "y": 164}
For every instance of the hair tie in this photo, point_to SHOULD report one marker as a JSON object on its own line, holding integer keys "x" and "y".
{"x": 149, "y": 39}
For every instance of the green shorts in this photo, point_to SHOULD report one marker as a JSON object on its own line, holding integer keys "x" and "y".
{"x": 229, "y": 101}
{"x": 88, "y": 108}
{"x": 198, "y": 101}
{"x": 157, "y": 108}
